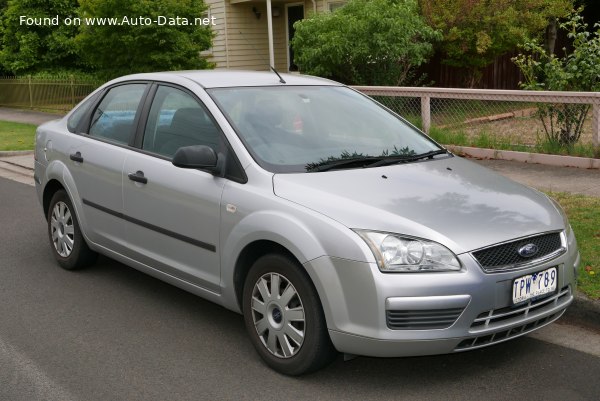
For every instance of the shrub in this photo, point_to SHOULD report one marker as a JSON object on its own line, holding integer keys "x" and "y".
{"x": 578, "y": 70}
{"x": 366, "y": 42}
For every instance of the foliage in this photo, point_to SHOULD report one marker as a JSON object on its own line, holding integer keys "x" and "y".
{"x": 361, "y": 44}
{"x": 476, "y": 32}
{"x": 25, "y": 49}
{"x": 116, "y": 50}
{"x": 578, "y": 70}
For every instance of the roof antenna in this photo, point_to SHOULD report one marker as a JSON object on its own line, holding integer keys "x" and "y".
{"x": 269, "y": 64}
{"x": 275, "y": 71}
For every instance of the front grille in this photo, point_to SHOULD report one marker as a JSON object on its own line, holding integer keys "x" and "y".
{"x": 506, "y": 256}
{"x": 499, "y": 319}
{"x": 422, "y": 319}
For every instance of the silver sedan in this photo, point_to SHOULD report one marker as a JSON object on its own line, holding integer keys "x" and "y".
{"x": 329, "y": 221}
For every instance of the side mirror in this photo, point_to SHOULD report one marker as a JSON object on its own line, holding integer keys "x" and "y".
{"x": 196, "y": 156}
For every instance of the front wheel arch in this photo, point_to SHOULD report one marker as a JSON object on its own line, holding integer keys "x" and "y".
{"x": 250, "y": 254}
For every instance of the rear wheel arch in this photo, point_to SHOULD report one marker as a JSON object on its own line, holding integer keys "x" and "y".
{"x": 50, "y": 189}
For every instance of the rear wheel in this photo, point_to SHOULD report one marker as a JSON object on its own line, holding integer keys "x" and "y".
{"x": 67, "y": 242}
{"x": 284, "y": 317}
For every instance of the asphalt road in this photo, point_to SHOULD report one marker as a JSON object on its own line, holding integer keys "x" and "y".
{"x": 112, "y": 333}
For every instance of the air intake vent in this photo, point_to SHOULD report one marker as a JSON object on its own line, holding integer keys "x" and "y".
{"x": 506, "y": 256}
{"x": 422, "y": 319}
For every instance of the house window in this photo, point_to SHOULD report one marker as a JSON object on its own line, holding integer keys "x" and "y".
{"x": 334, "y": 5}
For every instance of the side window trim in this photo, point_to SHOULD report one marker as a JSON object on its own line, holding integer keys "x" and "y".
{"x": 86, "y": 128}
{"x": 138, "y": 138}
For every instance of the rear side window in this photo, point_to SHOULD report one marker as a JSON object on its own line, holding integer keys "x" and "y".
{"x": 114, "y": 117}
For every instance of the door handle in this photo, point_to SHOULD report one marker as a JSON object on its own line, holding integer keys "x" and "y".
{"x": 138, "y": 176}
{"x": 76, "y": 157}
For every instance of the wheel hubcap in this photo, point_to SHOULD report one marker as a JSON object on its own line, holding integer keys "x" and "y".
{"x": 278, "y": 315}
{"x": 62, "y": 229}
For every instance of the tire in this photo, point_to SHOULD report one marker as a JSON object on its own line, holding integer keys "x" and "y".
{"x": 66, "y": 241}
{"x": 287, "y": 327}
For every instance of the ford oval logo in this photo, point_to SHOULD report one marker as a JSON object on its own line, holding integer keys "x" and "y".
{"x": 528, "y": 250}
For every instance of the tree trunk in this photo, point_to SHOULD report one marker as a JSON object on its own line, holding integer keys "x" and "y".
{"x": 551, "y": 31}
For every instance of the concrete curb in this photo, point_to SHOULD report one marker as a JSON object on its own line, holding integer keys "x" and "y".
{"x": 583, "y": 312}
{"x": 18, "y": 165}
{"x": 525, "y": 157}
{"x": 7, "y": 153}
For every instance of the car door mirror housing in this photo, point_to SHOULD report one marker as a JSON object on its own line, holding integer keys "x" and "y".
{"x": 196, "y": 156}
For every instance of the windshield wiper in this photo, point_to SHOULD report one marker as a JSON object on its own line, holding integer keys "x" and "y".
{"x": 406, "y": 159}
{"x": 370, "y": 161}
{"x": 344, "y": 163}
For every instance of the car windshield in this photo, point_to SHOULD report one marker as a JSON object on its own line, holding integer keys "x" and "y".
{"x": 317, "y": 128}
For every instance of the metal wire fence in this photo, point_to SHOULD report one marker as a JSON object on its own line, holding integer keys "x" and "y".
{"x": 500, "y": 119}
{"x": 45, "y": 93}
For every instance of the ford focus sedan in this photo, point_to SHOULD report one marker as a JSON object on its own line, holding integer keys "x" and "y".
{"x": 327, "y": 220}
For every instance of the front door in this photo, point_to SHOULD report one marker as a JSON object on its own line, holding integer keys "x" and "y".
{"x": 172, "y": 215}
{"x": 295, "y": 12}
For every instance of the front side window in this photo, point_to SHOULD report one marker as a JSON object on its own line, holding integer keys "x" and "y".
{"x": 303, "y": 128}
{"x": 114, "y": 117}
{"x": 176, "y": 119}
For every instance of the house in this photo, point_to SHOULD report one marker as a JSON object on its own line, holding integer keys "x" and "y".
{"x": 253, "y": 34}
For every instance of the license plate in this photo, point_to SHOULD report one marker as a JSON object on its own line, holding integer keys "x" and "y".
{"x": 534, "y": 285}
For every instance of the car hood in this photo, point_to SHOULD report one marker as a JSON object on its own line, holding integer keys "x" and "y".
{"x": 452, "y": 201}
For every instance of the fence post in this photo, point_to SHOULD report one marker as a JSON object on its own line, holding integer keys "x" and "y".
{"x": 72, "y": 93}
{"x": 30, "y": 92}
{"x": 426, "y": 113}
{"x": 596, "y": 127}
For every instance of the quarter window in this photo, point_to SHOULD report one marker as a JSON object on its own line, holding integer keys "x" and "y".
{"x": 176, "y": 119}
{"x": 77, "y": 115}
{"x": 115, "y": 115}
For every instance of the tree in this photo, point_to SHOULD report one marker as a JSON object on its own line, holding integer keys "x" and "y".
{"x": 578, "y": 70}
{"x": 32, "y": 48}
{"x": 138, "y": 46}
{"x": 476, "y": 32}
{"x": 366, "y": 42}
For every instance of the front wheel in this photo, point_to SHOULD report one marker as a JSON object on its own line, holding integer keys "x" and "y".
{"x": 284, "y": 317}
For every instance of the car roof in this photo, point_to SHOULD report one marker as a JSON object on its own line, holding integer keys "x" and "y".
{"x": 232, "y": 78}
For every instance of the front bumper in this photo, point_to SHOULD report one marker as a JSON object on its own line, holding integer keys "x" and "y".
{"x": 464, "y": 310}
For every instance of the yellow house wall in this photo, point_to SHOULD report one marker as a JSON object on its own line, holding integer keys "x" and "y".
{"x": 241, "y": 40}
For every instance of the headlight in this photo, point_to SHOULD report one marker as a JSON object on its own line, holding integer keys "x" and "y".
{"x": 395, "y": 253}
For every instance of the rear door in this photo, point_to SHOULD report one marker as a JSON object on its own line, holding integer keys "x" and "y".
{"x": 96, "y": 157}
{"x": 173, "y": 214}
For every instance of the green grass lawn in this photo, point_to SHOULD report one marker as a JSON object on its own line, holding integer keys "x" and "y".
{"x": 16, "y": 136}
{"x": 584, "y": 215}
